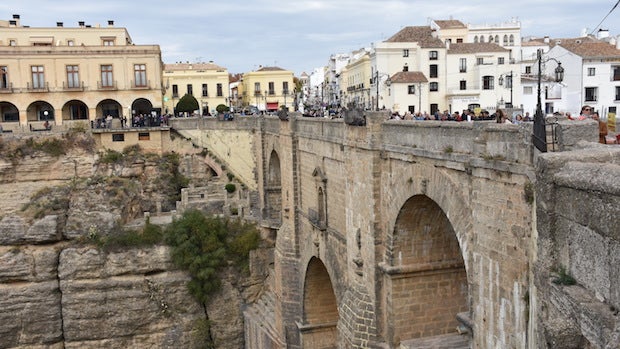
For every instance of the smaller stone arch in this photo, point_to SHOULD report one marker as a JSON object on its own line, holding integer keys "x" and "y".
{"x": 476, "y": 39}
{"x": 321, "y": 192}
{"x": 320, "y": 308}
{"x": 273, "y": 190}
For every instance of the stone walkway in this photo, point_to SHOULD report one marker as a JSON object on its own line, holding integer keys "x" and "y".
{"x": 446, "y": 341}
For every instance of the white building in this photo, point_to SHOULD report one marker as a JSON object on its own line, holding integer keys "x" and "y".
{"x": 591, "y": 74}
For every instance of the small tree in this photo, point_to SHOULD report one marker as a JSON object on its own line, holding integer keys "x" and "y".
{"x": 222, "y": 108}
{"x": 187, "y": 103}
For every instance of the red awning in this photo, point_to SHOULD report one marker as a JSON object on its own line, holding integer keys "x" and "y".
{"x": 272, "y": 106}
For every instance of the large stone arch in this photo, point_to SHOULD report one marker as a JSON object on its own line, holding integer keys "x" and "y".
{"x": 320, "y": 308}
{"x": 451, "y": 196}
{"x": 75, "y": 110}
{"x": 427, "y": 279}
{"x": 273, "y": 189}
{"x": 427, "y": 256}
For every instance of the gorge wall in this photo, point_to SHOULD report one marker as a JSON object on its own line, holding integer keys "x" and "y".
{"x": 59, "y": 289}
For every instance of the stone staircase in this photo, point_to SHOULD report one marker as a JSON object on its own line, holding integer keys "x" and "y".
{"x": 444, "y": 341}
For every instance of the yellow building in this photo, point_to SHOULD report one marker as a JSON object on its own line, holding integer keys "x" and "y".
{"x": 355, "y": 80}
{"x": 61, "y": 75}
{"x": 268, "y": 88}
{"x": 207, "y": 82}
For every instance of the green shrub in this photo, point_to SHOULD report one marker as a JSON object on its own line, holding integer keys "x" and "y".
{"x": 111, "y": 157}
{"x": 222, "y": 108}
{"x": 563, "y": 277}
{"x": 230, "y": 176}
{"x": 204, "y": 245}
{"x": 230, "y": 187}
{"x": 150, "y": 235}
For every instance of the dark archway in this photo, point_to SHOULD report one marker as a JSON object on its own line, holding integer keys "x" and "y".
{"x": 40, "y": 111}
{"x": 141, "y": 106}
{"x": 320, "y": 314}
{"x": 427, "y": 278}
{"x": 75, "y": 110}
{"x": 109, "y": 107}
{"x": 9, "y": 112}
{"x": 273, "y": 190}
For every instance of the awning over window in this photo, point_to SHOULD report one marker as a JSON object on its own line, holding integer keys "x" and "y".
{"x": 48, "y": 40}
{"x": 272, "y": 106}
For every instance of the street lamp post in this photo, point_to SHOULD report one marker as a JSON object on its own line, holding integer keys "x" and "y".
{"x": 539, "y": 137}
{"x": 508, "y": 82}
{"x": 388, "y": 82}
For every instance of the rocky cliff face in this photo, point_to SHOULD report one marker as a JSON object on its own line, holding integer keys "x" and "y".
{"x": 60, "y": 290}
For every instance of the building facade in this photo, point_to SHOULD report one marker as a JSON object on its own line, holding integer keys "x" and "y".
{"x": 60, "y": 75}
{"x": 207, "y": 82}
{"x": 268, "y": 88}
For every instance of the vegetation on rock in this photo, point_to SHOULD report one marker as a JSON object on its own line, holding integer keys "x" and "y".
{"x": 204, "y": 245}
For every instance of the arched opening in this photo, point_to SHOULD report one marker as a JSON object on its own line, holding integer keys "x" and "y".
{"x": 109, "y": 107}
{"x": 75, "y": 110}
{"x": 320, "y": 315}
{"x": 141, "y": 106}
{"x": 9, "y": 112}
{"x": 321, "y": 208}
{"x": 427, "y": 278}
{"x": 40, "y": 111}
{"x": 273, "y": 192}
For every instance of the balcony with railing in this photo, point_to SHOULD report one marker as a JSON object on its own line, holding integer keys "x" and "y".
{"x": 141, "y": 85}
{"x": 107, "y": 85}
{"x": 38, "y": 88}
{"x": 8, "y": 88}
{"x": 66, "y": 86}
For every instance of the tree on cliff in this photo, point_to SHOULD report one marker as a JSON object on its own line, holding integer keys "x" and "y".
{"x": 187, "y": 104}
{"x": 204, "y": 245}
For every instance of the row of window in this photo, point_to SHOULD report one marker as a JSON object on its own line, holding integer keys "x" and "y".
{"x": 508, "y": 40}
{"x": 205, "y": 90}
{"x": 432, "y": 55}
{"x": 591, "y": 94}
{"x": 73, "y": 76}
{"x": 70, "y": 42}
{"x": 272, "y": 88}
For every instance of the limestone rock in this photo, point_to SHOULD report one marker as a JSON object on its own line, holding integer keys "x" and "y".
{"x": 30, "y": 315}
{"x": 28, "y": 264}
{"x": 125, "y": 299}
{"x": 15, "y": 231}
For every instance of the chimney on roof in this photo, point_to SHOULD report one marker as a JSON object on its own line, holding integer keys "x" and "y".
{"x": 546, "y": 39}
{"x": 602, "y": 34}
{"x": 448, "y": 44}
{"x": 59, "y": 24}
{"x": 584, "y": 32}
{"x": 81, "y": 24}
{"x": 110, "y": 23}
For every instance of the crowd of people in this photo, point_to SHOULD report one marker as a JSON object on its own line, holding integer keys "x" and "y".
{"x": 138, "y": 120}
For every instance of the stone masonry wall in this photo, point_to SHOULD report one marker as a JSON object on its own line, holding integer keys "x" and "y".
{"x": 578, "y": 210}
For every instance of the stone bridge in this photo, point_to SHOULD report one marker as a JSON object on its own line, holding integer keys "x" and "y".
{"x": 395, "y": 234}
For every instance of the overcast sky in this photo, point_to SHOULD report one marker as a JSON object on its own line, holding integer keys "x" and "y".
{"x": 299, "y": 35}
